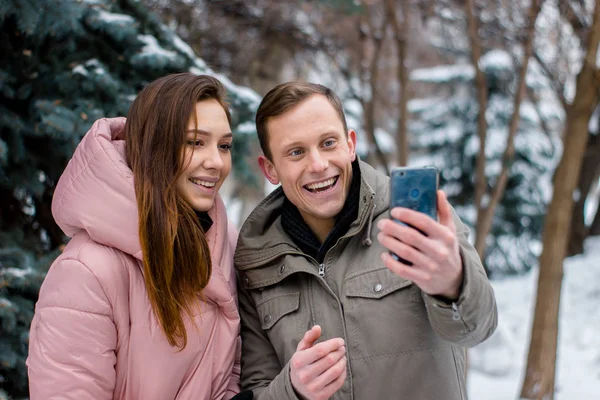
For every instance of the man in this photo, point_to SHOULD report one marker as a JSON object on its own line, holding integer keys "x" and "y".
{"x": 326, "y": 311}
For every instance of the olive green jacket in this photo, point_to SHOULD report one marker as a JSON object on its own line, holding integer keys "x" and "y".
{"x": 401, "y": 343}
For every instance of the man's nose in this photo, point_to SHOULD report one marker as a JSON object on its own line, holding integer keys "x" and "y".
{"x": 317, "y": 162}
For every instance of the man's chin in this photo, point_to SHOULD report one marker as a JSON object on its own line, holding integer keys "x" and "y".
{"x": 324, "y": 214}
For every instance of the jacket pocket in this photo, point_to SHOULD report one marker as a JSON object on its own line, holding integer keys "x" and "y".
{"x": 281, "y": 320}
{"x": 273, "y": 308}
{"x": 385, "y": 316}
{"x": 374, "y": 284}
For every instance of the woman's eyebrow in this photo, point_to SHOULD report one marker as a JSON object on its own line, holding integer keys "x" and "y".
{"x": 207, "y": 133}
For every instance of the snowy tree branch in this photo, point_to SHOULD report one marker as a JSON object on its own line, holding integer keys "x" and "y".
{"x": 555, "y": 82}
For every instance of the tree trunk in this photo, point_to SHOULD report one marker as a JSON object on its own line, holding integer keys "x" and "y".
{"x": 541, "y": 361}
{"x": 482, "y": 97}
{"x": 401, "y": 36}
{"x": 485, "y": 214}
{"x": 589, "y": 174}
{"x": 373, "y": 79}
{"x": 595, "y": 227}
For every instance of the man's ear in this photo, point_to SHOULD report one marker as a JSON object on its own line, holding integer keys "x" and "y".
{"x": 352, "y": 143}
{"x": 268, "y": 169}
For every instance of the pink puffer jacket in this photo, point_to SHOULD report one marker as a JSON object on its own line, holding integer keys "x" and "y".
{"x": 94, "y": 335}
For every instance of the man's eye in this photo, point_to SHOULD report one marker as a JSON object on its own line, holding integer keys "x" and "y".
{"x": 329, "y": 143}
{"x": 296, "y": 152}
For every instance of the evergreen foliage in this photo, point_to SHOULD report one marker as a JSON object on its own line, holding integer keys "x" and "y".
{"x": 444, "y": 133}
{"x": 66, "y": 63}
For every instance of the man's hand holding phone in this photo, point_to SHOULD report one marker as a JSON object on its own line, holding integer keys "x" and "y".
{"x": 318, "y": 370}
{"x": 437, "y": 266}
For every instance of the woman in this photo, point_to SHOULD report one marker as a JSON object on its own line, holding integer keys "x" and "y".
{"x": 142, "y": 302}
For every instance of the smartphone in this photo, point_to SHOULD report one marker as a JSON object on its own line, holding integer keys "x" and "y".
{"x": 414, "y": 188}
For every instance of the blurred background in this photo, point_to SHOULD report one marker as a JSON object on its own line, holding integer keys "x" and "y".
{"x": 500, "y": 95}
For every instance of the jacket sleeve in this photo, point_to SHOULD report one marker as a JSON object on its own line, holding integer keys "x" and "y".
{"x": 472, "y": 318}
{"x": 261, "y": 370}
{"x": 233, "y": 388}
{"x": 234, "y": 382}
{"x": 72, "y": 337}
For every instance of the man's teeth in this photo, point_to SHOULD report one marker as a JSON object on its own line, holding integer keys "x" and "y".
{"x": 320, "y": 185}
{"x": 203, "y": 183}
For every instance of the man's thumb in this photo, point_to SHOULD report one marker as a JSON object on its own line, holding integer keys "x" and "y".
{"x": 310, "y": 337}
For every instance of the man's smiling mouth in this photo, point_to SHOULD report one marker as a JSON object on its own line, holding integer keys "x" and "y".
{"x": 322, "y": 186}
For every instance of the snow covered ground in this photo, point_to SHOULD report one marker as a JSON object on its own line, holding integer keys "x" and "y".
{"x": 496, "y": 366}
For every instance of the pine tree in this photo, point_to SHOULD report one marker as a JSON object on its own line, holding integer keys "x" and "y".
{"x": 66, "y": 63}
{"x": 444, "y": 134}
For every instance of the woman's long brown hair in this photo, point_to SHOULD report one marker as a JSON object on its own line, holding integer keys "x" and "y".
{"x": 176, "y": 257}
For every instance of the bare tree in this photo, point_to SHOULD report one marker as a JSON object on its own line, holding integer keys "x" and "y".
{"x": 482, "y": 97}
{"x": 590, "y": 172}
{"x": 401, "y": 36}
{"x": 373, "y": 31}
{"x": 595, "y": 227}
{"x": 541, "y": 361}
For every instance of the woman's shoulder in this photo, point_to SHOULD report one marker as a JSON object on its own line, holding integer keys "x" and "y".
{"x": 87, "y": 276}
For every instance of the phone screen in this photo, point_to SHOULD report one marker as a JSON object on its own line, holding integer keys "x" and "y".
{"x": 414, "y": 188}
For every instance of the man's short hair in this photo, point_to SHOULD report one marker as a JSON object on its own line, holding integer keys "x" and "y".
{"x": 285, "y": 96}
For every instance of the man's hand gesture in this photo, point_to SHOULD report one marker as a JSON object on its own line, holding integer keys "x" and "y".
{"x": 318, "y": 370}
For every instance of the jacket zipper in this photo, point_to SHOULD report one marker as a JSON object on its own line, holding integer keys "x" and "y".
{"x": 322, "y": 275}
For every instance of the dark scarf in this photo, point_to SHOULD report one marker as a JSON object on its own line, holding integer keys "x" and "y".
{"x": 293, "y": 223}
{"x": 205, "y": 221}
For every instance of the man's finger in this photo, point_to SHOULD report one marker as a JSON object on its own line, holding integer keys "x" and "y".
{"x": 416, "y": 275}
{"x": 319, "y": 350}
{"x": 444, "y": 211}
{"x": 412, "y": 237}
{"x": 404, "y": 251}
{"x": 334, "y": 386}
{"x": 418, "y": 220}
{"x": 323, "y": 364}
{"x": 309, "y": 339}
{"x": 331, "y": 374}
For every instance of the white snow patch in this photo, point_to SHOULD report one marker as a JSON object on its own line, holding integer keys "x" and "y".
{"x": 443, "y": 73}
{"x": 16, "y": 272}
{"x": 183, "y": 46}
{"x": 80, "y": 69}
{"x": 497, "y": 59}
{"x": 113, "y": 18}
{"x": 152, "y": 47}
{"x": 496, "y": 366}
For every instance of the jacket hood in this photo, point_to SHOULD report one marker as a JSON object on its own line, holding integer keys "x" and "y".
{"x": 96, "y": 193}
{"x": 262, "y": 238}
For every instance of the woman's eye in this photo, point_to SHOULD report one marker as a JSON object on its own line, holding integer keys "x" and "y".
{"x": 226, "y": 146}
{"x": 195, "y": 143}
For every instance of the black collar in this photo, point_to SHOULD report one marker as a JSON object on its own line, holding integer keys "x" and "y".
{"x": 293, "y": 223}
{"x": 205, "y": 220}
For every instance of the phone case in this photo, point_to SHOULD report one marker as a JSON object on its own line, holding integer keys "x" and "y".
{"x": 414, "y": 188}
